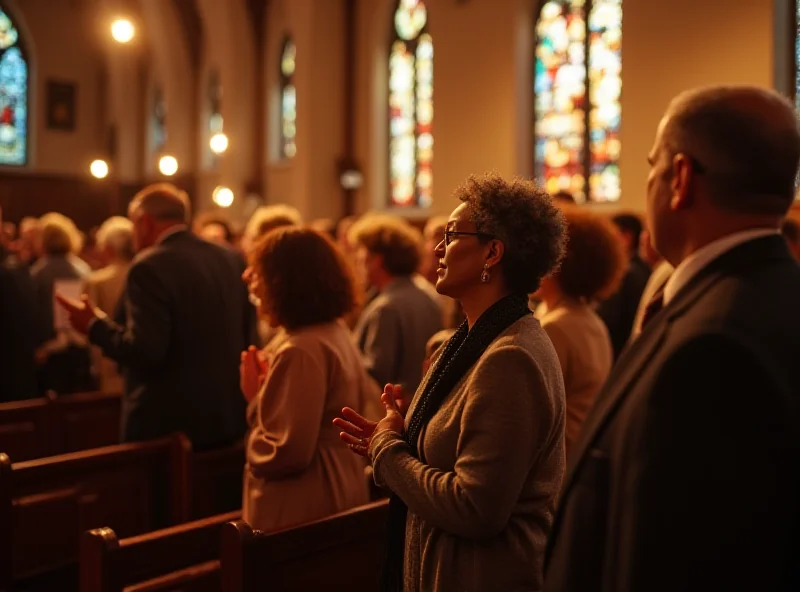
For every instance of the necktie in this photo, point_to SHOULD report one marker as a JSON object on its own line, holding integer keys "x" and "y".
{"x": 653, "y": 307}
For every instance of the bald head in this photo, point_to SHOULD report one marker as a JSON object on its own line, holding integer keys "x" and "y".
{"x": 163, "y": 202}
{"x": 744, "y": 141}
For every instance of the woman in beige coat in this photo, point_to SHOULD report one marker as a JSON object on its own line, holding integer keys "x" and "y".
{"x": 592, "y": 269}
{"x": 477, "y": 463}
{"x": 296, "y": 469}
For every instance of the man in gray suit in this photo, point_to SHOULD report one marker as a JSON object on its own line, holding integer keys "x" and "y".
{"x": 188, "y": 320}
{"x": 395, "y": 326}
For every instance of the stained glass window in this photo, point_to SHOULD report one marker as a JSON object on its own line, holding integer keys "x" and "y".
{"x": 411, "y": 107}
{"x": 577, "y": 85}
{"x": 797, "y": 55}
{"x": 288, "y": 100}
{"x": 13, "y": 96}
{"x": 158, "y": 122}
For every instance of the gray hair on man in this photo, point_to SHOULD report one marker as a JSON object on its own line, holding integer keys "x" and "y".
{"x": 116, "y": 234}
{"x": 162, "y": 201}
{"x": 744, "y": 140}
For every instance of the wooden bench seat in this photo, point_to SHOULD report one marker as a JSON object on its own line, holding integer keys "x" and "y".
{"x": 307, "y": 557}
{"x": 45, "y": 504}
{"x": 184, "y": 557}
{"x": 54, "y": 425}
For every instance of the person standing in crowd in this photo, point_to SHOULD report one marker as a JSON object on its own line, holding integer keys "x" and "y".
{"x": 104, "y": 288}
{"x": 395, "y": 326}
{"x": 18, "y": 324}
{"x": 476, "y": 466}
{"x": 62, "y": 353}
{"x": 619, "y": 310}
{"x": 188, "y": 319}
{"x": 297, "y": 471}
{"x": 685, "y": 476}
{"x": 591, "y": 270}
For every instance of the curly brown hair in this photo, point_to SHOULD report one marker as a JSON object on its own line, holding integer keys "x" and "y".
{"x": 394, "y": 239}
{"x": 524, "y": 218}
{"x": 307, "y": 280}
{"x": 596, "y": 259}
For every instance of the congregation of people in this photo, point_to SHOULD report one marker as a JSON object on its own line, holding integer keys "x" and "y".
{"x": 552, "y": 398}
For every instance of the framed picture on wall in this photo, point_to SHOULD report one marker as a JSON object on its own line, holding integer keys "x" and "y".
{"x": 61, "y": 105}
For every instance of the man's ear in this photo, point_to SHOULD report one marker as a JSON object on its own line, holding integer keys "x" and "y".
{"x": 495, "y": 252}
{"x": 683, "y": 178}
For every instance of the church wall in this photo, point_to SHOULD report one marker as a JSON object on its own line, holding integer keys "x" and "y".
{"x": 229, "y": 47}
{"x": 482, "y": 85}
{"x": 672, "y": 45}
{"x": 62, "y": 44}
{"x": 309, "y": 180}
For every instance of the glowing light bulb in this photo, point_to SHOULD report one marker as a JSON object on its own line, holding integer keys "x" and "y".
{"x": 218, "y": 143}
{"x": 99, "y": 169}
{"x": 222, "y": 196}
{"x": 168, "y": 165}
{"x": 122, "y": 30}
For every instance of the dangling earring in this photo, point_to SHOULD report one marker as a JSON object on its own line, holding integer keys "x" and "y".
{"x": 485, "y": 277}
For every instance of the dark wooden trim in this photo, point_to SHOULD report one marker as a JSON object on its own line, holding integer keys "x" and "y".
{"x": 6, "y": 534}
{"x": 98, "y": 548}
{"x": 233, "y": 538}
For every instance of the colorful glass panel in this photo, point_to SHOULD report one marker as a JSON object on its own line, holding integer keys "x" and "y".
{"x": 577, "y": 100}
{"x": 797, "y": 56}
{"x": 288, "y": 100}
{"x": 605, "y": 88}
{"x": 13, "y": 96}
{"x": 411, "y": 108}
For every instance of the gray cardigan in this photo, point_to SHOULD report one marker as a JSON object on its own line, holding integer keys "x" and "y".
{"x": 482, "y": 497}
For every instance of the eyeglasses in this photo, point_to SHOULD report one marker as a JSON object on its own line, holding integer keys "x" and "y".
{"x": 450, "y": 235}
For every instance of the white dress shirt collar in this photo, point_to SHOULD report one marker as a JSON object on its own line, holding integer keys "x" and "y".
{"x": 695, "y": 262}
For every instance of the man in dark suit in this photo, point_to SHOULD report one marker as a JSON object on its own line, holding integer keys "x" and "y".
{"x": 687, "y": 474}
{"x": 18, "y": 330}
{"x": 188, "y": 320}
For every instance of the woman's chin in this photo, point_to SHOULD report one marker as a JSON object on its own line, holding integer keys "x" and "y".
{"x": 442, "y": 287}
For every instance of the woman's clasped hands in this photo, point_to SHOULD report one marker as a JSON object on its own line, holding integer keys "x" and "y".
{"x": 357, "y": 431}
{"x": 252, "y": 372}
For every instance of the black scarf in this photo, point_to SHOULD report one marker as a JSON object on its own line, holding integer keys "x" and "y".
{"x": 460, "y": 353}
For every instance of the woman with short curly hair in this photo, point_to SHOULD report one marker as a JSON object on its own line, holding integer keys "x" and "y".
{"x": 296, "y": 471}
{"x": 476, "y": 462}
{"x": 592, "y": 269}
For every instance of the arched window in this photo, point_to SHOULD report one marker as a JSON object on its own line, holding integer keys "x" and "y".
{"x": 217, "y": 142}
{"x": 13, "y": 96}
{"x": 288, "y": 100}
{"x": 796, "y": 67}
{"x": 158, "y": 122}
{"x": 410, "y": 107}
{"x": 577, "y": 87}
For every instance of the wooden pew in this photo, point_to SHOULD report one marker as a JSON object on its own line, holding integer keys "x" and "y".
{"x": 83, "y": 421}
{"x": 24, "y": 429}
{"x": 45, "y": 504}
{"x": 212, "y": 480}
{"x": 309, "y": 556}
{"x": 184, "y": 557}
{"x": 53, "y": 425}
